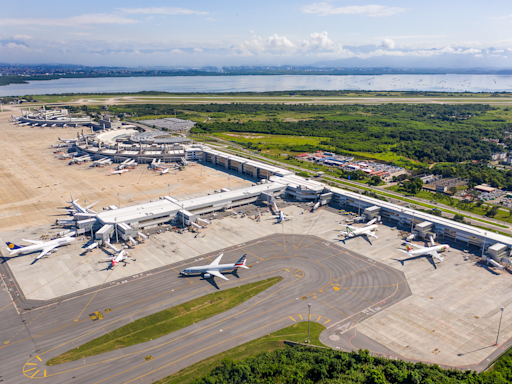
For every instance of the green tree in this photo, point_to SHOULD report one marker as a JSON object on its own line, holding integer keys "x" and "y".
{"x": 493, "y": 211}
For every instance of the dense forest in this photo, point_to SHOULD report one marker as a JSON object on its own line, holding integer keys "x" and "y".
{"x": 424, "y": 132}
{"x": 307, "y": 365}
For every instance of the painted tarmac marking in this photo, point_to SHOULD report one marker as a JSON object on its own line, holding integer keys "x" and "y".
{"x": 293, "y": 319}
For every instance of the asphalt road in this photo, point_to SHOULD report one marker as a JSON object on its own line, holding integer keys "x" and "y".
{"x": 342, "y": 286}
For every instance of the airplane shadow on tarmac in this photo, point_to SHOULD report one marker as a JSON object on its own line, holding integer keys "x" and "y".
{"x": 429, "y": 258}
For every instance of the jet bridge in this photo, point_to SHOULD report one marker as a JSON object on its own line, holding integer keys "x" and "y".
{"x": 425, "y": 229}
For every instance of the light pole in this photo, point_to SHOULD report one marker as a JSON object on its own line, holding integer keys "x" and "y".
{"x": 499, "y": 327}
{"x": 183, "y": 215}
{"x": 117, "y": 238}
{"x": 169, "y": 186}
{"x": 309, "y": 319}
{"x": 483, "y": 245}
{"x": 229, "y": 183}
{"x": 412, "y": 221}
{"x": 118, "y": 201}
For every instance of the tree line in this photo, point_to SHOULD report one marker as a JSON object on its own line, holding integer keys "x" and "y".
{"x": 302, "y": 365}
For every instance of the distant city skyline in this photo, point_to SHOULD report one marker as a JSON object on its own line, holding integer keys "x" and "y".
{"x": 200, "y": 33}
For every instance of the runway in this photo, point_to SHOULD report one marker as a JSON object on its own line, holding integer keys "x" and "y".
{"x": 342, "y": 286}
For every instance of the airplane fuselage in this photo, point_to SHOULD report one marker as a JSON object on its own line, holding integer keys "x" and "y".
{"x": 206, "y": 268}
{"x": 362, "y": 231}
{"x": 39, "y": 247}
{"x": 428, "y": 250}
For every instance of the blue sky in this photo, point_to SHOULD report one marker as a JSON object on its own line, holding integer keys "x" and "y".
{"x": 218, "y": 33}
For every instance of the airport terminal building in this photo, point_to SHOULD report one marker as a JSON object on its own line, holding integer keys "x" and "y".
{"x": 270, "y": 182}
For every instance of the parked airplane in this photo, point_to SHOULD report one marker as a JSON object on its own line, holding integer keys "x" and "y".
{"x": 281, "y": 217}
{"x": 215, "y": 269}
{"x": 425, "y": 251}
{"x": 78, "y": 208}
{"x": 44, "y": 246}
{"x": 119, "y": 172}
{"x": 121, "y": 257}
{"x": 68, "y": 140}
{"x": 366, "y": 231}
{"x": 164, "y": 171}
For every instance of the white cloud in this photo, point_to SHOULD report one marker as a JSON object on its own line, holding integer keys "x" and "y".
{"x": 274, "y": 43}
{"x": 82, "y": 20}
{"x": 387, "y": 43}
{"x": 320, "y": 40}
{"x": 279, "y": 42}
{"x": 162, "y": 11}
{"x": 324, "y": 9}
{"x": 22, "y": 37}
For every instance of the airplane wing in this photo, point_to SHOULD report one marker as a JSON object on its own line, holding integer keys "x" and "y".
{"x": 217, "y": 274}
{"x": 372, "y": 234}
{"x": 45, "y": 251}
{"x": 36, "y": 242}
{"x": 217, "y": 260}
{"x": 436, "y": 255}
{"x": 91, "y": 205}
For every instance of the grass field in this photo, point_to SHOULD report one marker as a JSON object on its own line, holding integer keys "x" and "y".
{"x": 297, "y": 332}
{"x": 167, "y": 321}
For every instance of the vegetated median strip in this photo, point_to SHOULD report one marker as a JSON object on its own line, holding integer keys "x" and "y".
{"x": 268, "y": 343}
{"x": 167, "y": 321}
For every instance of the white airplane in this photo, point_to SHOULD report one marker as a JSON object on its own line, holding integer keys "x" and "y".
{"x": 215, "y": 269}
{"x": 78, "y": 208}
{"x": 121, "y": 257}
{"x": 425, "y": 251}
{"x": 366, "y": 231}
{"x": 44, "y": 246}
{"x": 119, "y": 172}
{"x": 164, "y": 171}
{"x": 68, "y": 140}
{"x": 281, "y": 217}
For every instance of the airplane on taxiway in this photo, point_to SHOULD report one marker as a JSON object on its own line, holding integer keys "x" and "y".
{"x": 44, "y": 246}
{"x": 215, "y": 269}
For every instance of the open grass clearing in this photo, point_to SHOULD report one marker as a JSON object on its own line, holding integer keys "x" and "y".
{"x": 167, "y": 321}
{"x": 297, "y": 332}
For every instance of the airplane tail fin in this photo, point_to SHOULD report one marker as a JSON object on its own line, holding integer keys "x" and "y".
{"x": 241, "y": 263}
{"x": 408, "y": 247}
{"x": 12, "y": 246}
